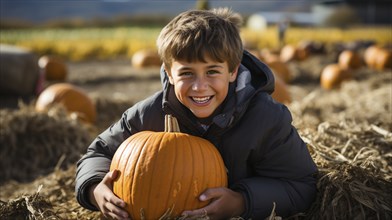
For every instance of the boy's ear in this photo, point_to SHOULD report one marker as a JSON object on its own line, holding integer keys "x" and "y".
{"x": 233, "y": 74}
{"x": 169, "y": 75}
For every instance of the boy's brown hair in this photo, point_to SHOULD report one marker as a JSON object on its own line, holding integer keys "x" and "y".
{"x": 194, "y": 34}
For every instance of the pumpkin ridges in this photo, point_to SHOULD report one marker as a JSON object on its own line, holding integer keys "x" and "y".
{"x": 205, "y": 170}
{"x": 211, "y": 157}
{"x": 178, "y": 185}
{"x": 120, "y": 166}
{"x": 129, "y": 180}
{"x": 192, "y": 183}
{"x": 117, "y": 165}
{"x": 223, "y": 178}
{"x": 144, "y": 151}
{"x": 164, "y": 155}
{"x": 215, "y": 165}
{"x": 156, "y": 141}
{"x": 190, "y": 173}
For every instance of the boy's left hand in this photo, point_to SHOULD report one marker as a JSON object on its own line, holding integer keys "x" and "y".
{"x": 224, "y": 204}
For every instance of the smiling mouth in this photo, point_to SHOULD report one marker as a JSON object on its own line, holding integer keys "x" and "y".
{"x": 201, "y": 100}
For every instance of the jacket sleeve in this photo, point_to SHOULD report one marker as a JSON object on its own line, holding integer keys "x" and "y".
{"x": 94, "y": 165}
{"x": 284, "y": 172}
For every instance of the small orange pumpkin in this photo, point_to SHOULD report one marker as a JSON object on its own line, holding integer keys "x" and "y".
{"x": 256, "y": 53}
{"x": 165, "y": 172}
{"x": 269, "y": 54}
{"x": 280, "y": 69}
{"x": 293, "y": 53}
{"x": 53, "y": 67}
{"x": 333, "y": 75}
{"x": 72, "y": 98}
{"x": 288, "y": 53}
{"x": 383, "y": 59}
{"x": 370, "y": 54}
{"x": 281, "y": 92}
{"x": 146, "y": 58}
{"x": 349, "y": 59}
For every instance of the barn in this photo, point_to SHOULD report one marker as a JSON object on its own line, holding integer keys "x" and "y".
{"x": 329, "y": 13}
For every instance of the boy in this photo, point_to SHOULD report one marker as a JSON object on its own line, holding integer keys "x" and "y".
{"x": 219, "y": 92}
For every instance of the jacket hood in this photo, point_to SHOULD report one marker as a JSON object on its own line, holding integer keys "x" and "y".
{"x": 262, "y": 78}
{"x": 253, "y": 77}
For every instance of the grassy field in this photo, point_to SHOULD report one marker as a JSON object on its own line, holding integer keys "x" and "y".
{"x": 103, "y": 43}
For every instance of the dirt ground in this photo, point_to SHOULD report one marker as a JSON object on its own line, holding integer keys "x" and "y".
{"x": 114, "y": 79}
{"x": 349, "y": 132}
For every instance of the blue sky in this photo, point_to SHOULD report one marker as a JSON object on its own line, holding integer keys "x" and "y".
{"x": 44, "y": 10}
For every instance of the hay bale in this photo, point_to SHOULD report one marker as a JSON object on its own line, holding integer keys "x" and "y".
{"x": 55, "y": 195}
{"x": 110, "y": 111}
{"x": 355, "y": 176}
{"x": 32, "y": 143}
{"x": 19, "y": 71}
{"x": 349, "y": 136}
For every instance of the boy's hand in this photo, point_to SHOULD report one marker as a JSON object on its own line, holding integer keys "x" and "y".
{"x": 102, "y": 196}
{"x": 224, "y": 204}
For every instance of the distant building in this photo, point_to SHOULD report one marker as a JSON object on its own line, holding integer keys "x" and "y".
{"x": 330, "y": 13}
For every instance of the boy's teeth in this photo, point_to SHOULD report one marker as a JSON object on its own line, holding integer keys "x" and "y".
{"x": 201, "y": 100}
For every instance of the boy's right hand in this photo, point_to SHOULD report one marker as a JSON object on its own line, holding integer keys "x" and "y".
{"x": 102, "y": 196}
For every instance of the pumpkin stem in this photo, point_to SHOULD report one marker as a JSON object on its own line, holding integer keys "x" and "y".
{"x": 171, "y": 124}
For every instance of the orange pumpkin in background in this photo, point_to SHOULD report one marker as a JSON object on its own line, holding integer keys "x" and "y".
{"x": 256, "y": 53}
{"x": 383, "y": 59}
{"x": 377, "y": 57}
{"x": 72, "y": 98}
{"x": 53, "y": 67}
{"x": 281, "y": 92}
{"x": 280, "y": 69}
{"x": 333, "y": 75}
{"x": 288, "y": 53}
{"x": 349, "y": 59}
{"x": 165, "y": 172}
{"x": 146, "y": 58}
{"x": 269, "y": 54}
{"x": 293, "y": 53}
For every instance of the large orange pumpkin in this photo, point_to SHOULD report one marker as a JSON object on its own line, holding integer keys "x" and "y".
{"x": 163, "y": 173}
{"x": 72, "y": 98}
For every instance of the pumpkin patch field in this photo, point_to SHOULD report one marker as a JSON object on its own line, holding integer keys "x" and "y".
{"x": 345, "y": 120}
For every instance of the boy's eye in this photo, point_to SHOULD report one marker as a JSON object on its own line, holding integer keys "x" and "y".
{"x": 211, "y": 72}
{"x": 185, "y": 74}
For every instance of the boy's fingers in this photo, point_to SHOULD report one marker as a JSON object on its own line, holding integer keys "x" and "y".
{"x": 113, "y": 174}
{"x": 110, "y": 177}
{"x": 210, "y": 193}
{"x": 117, "y": 211}
{"x": 197, "y": 212}
{"x": 117, "y": 201}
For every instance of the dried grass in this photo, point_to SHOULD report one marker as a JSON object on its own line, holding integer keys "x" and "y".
{"x": 33, "y": 143}
{"x": 349, "y": 136}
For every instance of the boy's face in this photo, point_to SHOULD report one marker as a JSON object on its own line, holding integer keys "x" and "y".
{"x": 201, "y": 86}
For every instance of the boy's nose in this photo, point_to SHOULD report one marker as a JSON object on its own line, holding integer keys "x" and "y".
{"x": 200, "y": 84}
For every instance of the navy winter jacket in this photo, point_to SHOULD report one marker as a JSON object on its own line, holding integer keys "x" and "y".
{"x": 266, "y": 159}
